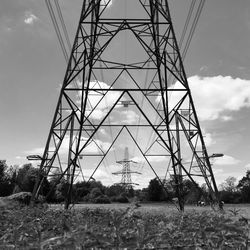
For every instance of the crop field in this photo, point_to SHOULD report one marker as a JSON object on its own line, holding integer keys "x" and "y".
{"x": 124, "y": 226}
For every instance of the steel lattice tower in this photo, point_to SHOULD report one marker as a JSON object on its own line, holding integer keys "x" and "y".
{"x": 95, "y": 73}
{"x": 126, "y": 180}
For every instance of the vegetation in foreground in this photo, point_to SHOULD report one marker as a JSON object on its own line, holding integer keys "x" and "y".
{"x": 40, "y": 228}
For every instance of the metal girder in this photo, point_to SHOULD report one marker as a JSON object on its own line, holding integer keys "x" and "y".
{"x": 176, "y": 128}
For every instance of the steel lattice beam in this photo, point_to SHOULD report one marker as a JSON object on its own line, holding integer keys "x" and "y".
{"x": 74, "y": 126}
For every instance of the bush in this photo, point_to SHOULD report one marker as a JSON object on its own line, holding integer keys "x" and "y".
{"x": 102, "y": 199}
{"x": 122, "y": 198}
{"x": 230, "y": 197}
{"x": 22, "y": 197}
{"x": 94, "y": 193}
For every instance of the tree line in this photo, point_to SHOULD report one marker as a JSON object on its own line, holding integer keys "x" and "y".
{"x": 14, "y": 180}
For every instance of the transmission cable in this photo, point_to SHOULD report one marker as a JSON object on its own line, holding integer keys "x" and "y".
{"x": 187, "y": 23}
{"x": 57, "y": 29}
{"x": 192, "y": 30}
{"x": 60, "y": 15}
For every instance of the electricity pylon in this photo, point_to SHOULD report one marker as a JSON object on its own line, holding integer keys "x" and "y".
{"x": 148, "y": 79}
{"x": 126, "y": 180}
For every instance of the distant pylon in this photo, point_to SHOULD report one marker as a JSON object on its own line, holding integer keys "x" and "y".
{"x": 148, "y": 79}
{"x": 126, "y": 180}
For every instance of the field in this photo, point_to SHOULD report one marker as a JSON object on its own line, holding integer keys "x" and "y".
{"x": 124, "y": 226}
{"x": 165, "y": 208}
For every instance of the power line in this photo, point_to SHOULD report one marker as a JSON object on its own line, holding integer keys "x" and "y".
{"x": 57, "y": 29}
{"x": 193, "y": 27}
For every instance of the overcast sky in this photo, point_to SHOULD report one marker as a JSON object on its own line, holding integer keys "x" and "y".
{"x": 32, "y": 68}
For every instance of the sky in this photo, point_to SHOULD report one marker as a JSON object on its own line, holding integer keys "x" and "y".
{"x": 217, "y": 65}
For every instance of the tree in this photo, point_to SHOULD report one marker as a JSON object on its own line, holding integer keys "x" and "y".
{"x": 244, "y": 186}
{"x": 6, "y": 180}
{"x": 81, "y": 190}
{"x": 3, "y": 167}
{"x": 229, "y": 184}
{"x": 26, "y": 179}
{"x": 191, "y": 193}
{"x": 114, "y": 190}
{"x": 229, "y": 192}
{"x": 155, "y": 190}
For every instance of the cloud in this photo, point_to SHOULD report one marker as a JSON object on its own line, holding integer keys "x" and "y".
{"x": 208, "y": 139}
{"x": 94, "y": 147}
{"x": 35, "y": 151}
{"x": 109, "y": 2}
{"x": 226, "y": 160}
{"x": 96, "y": 101}
{"x": 102, "y": 105}
{"x": 248, "y": 166}
{"x": 226, "y": 118}
{"x": 151, "y": 159}
{"x": 130, "y": 116}
{"x": 215, "y": 95}
{"x": 218, "y": 171}
{"x": 103, "y": 131}
{"x": 30, "y": 18}
{"x": 20, "y": 157}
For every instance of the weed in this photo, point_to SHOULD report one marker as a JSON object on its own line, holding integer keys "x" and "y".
{"x": 26, "y": 228}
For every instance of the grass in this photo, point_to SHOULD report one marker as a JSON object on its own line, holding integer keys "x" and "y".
{"x": 116, "y": 226}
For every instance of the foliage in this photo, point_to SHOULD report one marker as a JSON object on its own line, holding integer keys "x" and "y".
{"x": 244, "y": 186}
{"x": 6, "y": 180}
{"x": 232, "y": 193}
{"x": 26, "y": 179}
{"x": 22, "y": 197}
{"x": 191, "y": 193}
{"x": 81, "y": 190}
{"x": 155, "y": 190}
{"x": 102, "y": 199}
{"x": 121, "y": 198}
{"x": 230, "y": 197}
{"x": 229, "y": 184}
{"x": 114, "y": 190}
{"x": 25, "y": 228}
{"x": 3, "y": 167}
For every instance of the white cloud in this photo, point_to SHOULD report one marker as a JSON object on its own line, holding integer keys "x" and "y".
{"x": 247, "y": 166}
{"x": 96, "y": 101}
{"x": 208, "y": 139}
{"x": 215, "y": 95}
{"x": 226, "y": 118}
{"x": 102, "y": 105}
{"x": 226, "y": 160}
{"x": 218, "y": 171}
{"x": 130, "y": 116}
{"x": 103, "y": 131}
{"x": 35, "y": 151}
{"x": 150, "y": 159}
{"x": 20, "y": 157}
{"x": 30, "y": 18}
{"x": 109, "y": 2}
{"x": 94, "y": 147}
